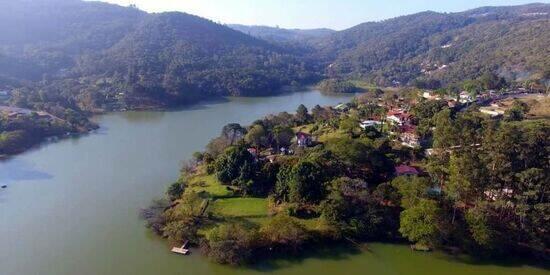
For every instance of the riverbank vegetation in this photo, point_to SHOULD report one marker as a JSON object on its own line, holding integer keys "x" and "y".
{"x": 292, "y": 181}
{"x": 338, "y": 86}
{"x": 21, "y": 129}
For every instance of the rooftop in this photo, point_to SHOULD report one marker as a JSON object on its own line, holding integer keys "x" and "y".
{"x": 406, "y": 170}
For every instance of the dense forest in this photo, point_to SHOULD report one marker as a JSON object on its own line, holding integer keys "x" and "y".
{"x": 99, "y": 56}
{"x": 294, "y": 181}
{"x": 445, "y": 47}
{"x": 124, "y": 58}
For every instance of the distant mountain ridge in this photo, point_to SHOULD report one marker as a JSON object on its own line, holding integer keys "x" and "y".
{"x": 102, "y": 56}
{"x": 448, "y": 47}
{"x": 281, "y": 34}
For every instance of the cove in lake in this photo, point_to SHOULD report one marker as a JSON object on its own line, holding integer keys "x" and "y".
{"x": 71, "y": 207}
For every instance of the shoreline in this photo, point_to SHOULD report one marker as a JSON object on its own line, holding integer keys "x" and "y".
{"x": 296, "y": 192}
{"x": 48, "y": 140}
{"x": 208, "y": 100}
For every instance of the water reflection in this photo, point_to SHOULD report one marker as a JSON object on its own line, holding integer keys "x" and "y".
{"x": 141, "y": 117}
{"x": 334, "y": 253}
{"x": 19, "y": 170}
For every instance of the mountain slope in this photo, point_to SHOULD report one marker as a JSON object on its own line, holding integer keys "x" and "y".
{"x": 126, "y": 58}
{"x": 100, "y": 56}
{"x": 511, "y": 41}
{"x": 45, "y": 36}
{"x": 176, "y": 57}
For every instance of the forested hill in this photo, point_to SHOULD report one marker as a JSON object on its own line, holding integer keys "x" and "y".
{"x": 448, "y": 47}
{"x": 97, "y": 56}
{"x": 102, "y": 55}
{"x": 282, "y": 35}
{"x": 175, "y": 58}
{"x": 46, "y": 36}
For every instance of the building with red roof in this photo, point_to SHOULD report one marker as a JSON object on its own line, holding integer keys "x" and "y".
{"x": 405, "y": 170}
{"x": 399, "y": 117}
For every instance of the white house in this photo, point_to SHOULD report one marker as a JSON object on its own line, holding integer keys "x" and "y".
{"x": 430, "y": 95}
{"x": 341, "y": 107}
{"x": 465, "y": 97}
{"x": 492, "y": 111}
{"x": 369, "y": 123}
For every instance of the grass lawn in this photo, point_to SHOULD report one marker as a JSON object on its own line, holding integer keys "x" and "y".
{"x": 304, "y": 128}
{"x": 362, "y": 84}
{"x": 249, "y": 208}
{"x": 227, "y": 207}
{"x": 210, "y": 185}
{"x": 247, "y": 211}
{"x": 332, "y": 135}
{"x": 368, "y": 86}
{"x": 539, "y": 106}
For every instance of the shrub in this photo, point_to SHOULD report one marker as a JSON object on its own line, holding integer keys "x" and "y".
{"x": 175, "y": 190}
{"x": 154, "y": 215}
{"x": 229, "y": 166}
{"x": 420, "y": 222}
{"x": 230, "y": 244}
{"x": 284, "y": 233}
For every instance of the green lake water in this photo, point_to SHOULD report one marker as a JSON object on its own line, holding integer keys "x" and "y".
{"x": 71, "y": 207}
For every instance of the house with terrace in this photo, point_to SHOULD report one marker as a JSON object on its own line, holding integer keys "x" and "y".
{"x": 409, "y": 137}
{"x": 399, "y": 117}
{"x": 365, "y": 124}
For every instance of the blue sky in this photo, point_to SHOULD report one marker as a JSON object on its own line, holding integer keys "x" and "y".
{"x": 335, "y": 14}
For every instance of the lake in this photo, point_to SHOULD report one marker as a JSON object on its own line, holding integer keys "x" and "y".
{"x": 71, "y": 207}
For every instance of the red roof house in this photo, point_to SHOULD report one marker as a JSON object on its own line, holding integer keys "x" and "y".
{"x": 399, "y": 117}
{"x": 405, "y": 170}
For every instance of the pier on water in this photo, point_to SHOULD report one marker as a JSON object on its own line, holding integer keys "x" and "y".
{"x": 183, "y": 250}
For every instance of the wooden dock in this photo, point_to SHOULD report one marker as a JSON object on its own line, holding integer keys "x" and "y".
{"x": 182, "y": 250}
